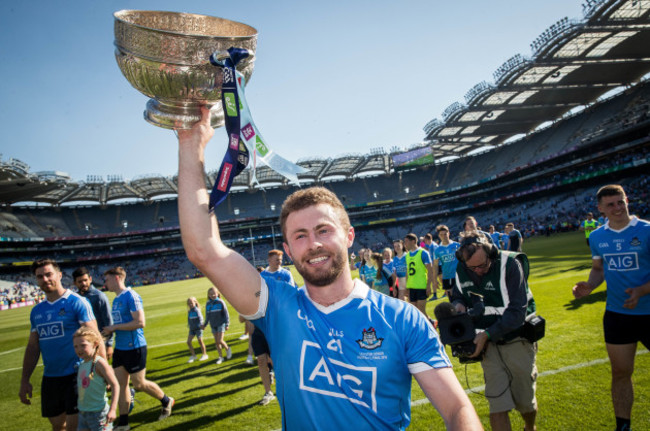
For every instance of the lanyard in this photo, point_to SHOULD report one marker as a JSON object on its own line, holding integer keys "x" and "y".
{"x": 242, "y": 140}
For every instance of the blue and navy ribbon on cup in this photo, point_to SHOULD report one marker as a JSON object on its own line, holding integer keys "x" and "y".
{"x": 242, "y": 140}
{"x": 236, "y": 158}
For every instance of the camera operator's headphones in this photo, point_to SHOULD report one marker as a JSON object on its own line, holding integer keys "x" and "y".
{"x": 491, "y": 249}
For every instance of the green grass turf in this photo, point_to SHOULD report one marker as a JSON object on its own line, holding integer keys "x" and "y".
{"x": 225, "y": 396}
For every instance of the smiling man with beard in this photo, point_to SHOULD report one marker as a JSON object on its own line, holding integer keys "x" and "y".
{"x": 344, "y": 354}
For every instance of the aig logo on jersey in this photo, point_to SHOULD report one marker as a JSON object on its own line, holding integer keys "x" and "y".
{"x": 48, "y": 331}
{"x": 622, "y": 261}
{"x": 336, "y": 379}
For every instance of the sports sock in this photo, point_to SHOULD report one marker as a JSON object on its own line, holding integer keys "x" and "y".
{"x": 165, "y": 400}
{"x": 622, "y": 424}
{"x": 123, "y": 420}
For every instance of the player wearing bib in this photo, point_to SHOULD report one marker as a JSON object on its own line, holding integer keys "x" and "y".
{"x": 130, "y": 355}
{"x": 589, "y": 225}
{"x": 621, "y": 256}
{"x": 399, "y": 265}
{"x": 446, "y": 256}
{"x": 275, "y": 270}
{"x": 346, "y": 353}
{"x": 53, "y": 324}
{"x": 419, "y": 276}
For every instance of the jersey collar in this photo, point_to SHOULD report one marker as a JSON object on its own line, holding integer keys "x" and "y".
{"x": 633, "y": 221}
{"x": 360, "y": 291}
{"x": 66, "y": 293}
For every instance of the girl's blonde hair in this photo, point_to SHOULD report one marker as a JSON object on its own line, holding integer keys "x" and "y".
{"x": 194, "y": 302}
{"x": 216, "y": 290}
{"x": 94, "y": 337}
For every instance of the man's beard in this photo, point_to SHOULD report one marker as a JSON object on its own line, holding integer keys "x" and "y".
{"x": 322, "y": 277}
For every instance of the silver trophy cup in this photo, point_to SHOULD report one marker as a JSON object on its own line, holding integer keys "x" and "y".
{"x": 166, "y": 56}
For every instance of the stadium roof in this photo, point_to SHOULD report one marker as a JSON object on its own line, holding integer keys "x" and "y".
{"x": 572, "y": 64}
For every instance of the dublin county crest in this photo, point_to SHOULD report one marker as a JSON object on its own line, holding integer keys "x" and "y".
{"x": 369, "y": 340}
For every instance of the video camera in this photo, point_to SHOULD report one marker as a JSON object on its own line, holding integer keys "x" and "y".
{"x": 458, "y": 330}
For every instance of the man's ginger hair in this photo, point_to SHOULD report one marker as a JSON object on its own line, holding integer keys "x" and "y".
{"x": 306, "y": 198}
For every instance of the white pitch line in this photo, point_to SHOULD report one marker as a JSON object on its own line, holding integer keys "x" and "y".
{"x": 12, "y": 350}
{"x": 542, "y": 374}
{"x": 150, "y": 347}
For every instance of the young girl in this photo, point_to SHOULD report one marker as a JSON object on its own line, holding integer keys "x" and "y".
{"x": 196, "y": 324}
{"x": 94, "y": 373}
{"x": 384, "y": 279}
{"x": 399, "y": 264}
{"x": 219, "y": 319}
{"x": 367, "y": 271}
{"x": 387, "y": 253}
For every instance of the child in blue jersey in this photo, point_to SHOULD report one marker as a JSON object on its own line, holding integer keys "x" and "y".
{"x": 217, "y": 316}
{"x": 387, "y": 254}
{"x": 367, "y": 271}
{"x": 196, "y": 324}
{"x": 95, "y": 413}
{"x": 384, "y": 279}
{"x": 399, "y": 266}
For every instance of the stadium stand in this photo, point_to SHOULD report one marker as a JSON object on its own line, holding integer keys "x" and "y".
{"x": 529, "y": 149}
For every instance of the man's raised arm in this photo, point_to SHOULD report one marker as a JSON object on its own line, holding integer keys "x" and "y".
{"x": 230, "y": 272}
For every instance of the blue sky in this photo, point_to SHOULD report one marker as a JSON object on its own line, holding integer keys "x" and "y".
{"x": 330, "y": 78}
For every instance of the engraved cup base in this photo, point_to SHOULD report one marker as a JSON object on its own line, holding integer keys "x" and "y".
{"x": 183, "y": 116}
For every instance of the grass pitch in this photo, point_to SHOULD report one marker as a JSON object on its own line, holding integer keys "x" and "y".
{"x": 572, "y": 388}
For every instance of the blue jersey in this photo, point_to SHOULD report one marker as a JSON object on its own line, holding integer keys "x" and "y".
{"x": 446, "y": 256}
{"x": 281, "y": 274}
{"x": 431, "y": 248}
{"x": 216, "y": 312}
{"x": 514, "y": 240}
{"x": 55, "y": 323}
{"x": 399, "y": 264}
{"x": 496, "y": 236}
{"x": 194, "y": 318}
{"x": 390, "y": 266}
{"x": 349, "y": 364}
{"x": 123, "y": 305}
{"x": 506, "y": 241}
{"x": 369, "y": 273}
{"x": 626, "y": 258}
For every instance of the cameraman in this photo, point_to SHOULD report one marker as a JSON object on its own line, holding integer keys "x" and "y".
{"x": 509, "y": 362}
